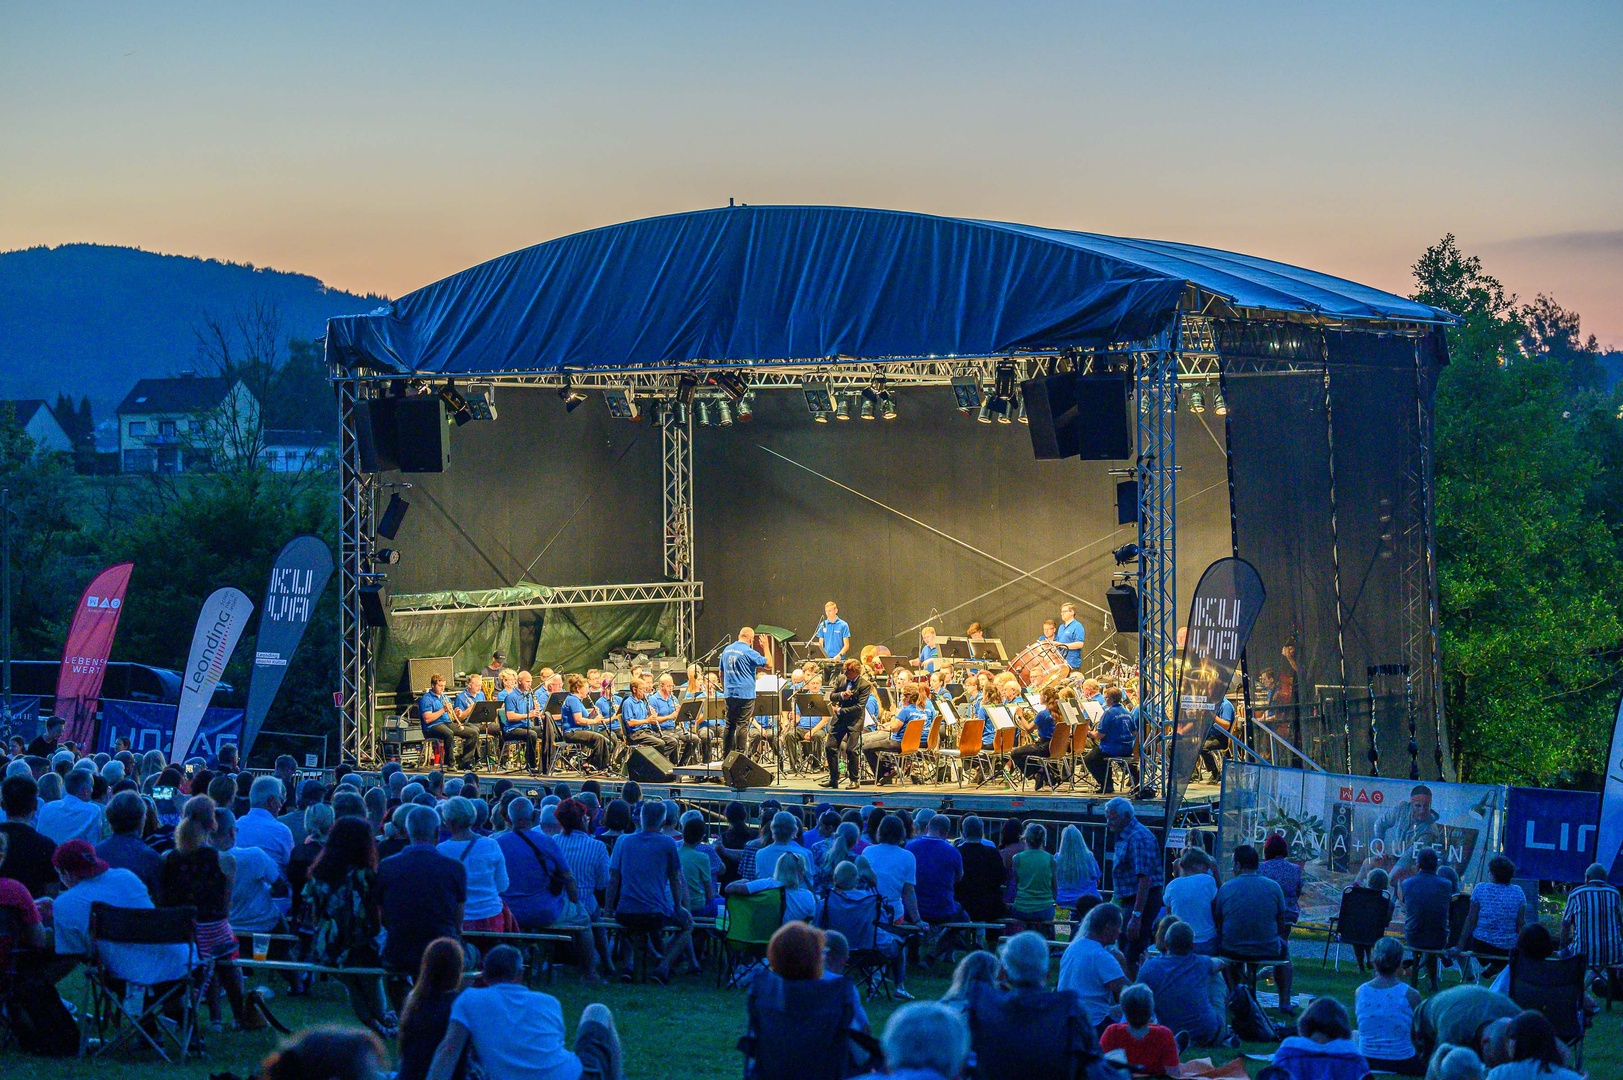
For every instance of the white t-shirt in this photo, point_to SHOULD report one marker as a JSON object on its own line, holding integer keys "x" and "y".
{"x": 1088, "y": 968}
{"x": 251, "y": 905}
{"x": 71, "y": 818}
{"x": 893, "y": 867}
{"x": 143, "y": 964}
{"x": 1190, "y": 899}
{"x": 517, "y": 1033}
{"x": 487, "y": 875}
{"x": 797, "y": 903}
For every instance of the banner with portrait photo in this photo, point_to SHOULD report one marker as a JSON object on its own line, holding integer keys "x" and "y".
{"x": 1341, "y": 827}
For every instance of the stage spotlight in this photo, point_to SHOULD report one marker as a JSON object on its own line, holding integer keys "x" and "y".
{"x": 724, "y": 412}
{"x": 570, "y": 396}
{"x": 703, "y": 406}
{"x": 868, "y": 397}
{"x": 967, "y": 393}
{"x": 1003, "y": 387}
{"x": 746, "y": 407}
{"x": 621, "y": 407}
{"x": 1197, "y": 401}
{"x": 686, "y": 386}
{"x": 1020, "y": 410}
{"x": 818, "y": 399}
{"x": 456, "y": 404}
{"x": 842, "y": 410}
{"x": 1219, "y": 405}
{"x": 887, "y": 405}
{"x": 1125, "y": 554}
{"x": 482, "y": 401}
{"x": 393, "y": 515}
{"x": 732, "y": 384}
{"x": 1005, "y": 415}
{"x": 680, "y": 413}
{"x": 985, "y": 413}
{"x": 387, "y": 556}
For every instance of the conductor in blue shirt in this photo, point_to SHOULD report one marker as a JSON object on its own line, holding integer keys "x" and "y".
{"x": 1070, "y": 635}
{"x": 740, "y": 663}
{"x": 834, "y": 632}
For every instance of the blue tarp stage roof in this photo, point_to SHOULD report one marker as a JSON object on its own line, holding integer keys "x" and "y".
{"x": 761, "y": 283}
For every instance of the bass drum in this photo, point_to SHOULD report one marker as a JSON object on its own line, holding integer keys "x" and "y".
{"x": 1039, "y": 666}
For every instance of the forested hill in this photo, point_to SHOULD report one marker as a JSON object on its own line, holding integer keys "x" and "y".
{"x": 90, "y": 319}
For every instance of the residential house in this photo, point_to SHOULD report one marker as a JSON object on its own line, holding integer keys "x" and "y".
{"x": 40, "y": 423}
{"x": 172, "y": 425}
{"x": 298, "y": 451}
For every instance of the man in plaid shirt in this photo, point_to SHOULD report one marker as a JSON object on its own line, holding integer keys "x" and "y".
{"x": 1136, "y": 875}
{"x": 1593, "y": 921}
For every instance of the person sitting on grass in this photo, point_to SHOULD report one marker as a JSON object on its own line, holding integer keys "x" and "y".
{"x": 330, "y": 1051}
{"x": 1150, "y": 1048}
{"x": 1322, "y": 1049}
{"x": 518, "y": 1034}
{"x": 1180, "y": 980}
{"x": 1385, "y": 1009}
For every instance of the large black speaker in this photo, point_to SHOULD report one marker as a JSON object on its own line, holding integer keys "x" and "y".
{"x": 1074, "y": 415}
{"x": 741, "y": 772}
{"x": 422, "y": 433}
{"x": 375, "y": 436}
{"x": 1126, "y": 502}
{"x": 1123, "y": 601}
{"x": 374, "y": 598}
{"x": 648, "y": 766}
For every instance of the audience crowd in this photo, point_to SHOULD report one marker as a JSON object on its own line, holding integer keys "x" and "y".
{"x": 396, "y": 886}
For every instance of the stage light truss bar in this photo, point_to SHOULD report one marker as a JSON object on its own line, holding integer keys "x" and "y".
{"x": 357, "y": 736}
{"x": 676, "y": 465}
{"x": 1157, "y": 400}
{"x": 572, "y": 596}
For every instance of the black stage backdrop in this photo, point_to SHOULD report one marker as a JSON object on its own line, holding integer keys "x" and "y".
{"x": 774, "y": 541}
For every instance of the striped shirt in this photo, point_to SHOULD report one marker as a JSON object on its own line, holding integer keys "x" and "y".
{"x": 588, "y": 859}
{"x": 1594, "y": 920}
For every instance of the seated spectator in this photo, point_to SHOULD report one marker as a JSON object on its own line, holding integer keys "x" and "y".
{"x": 427, "y": 1012}
{"x": 1592, "y": 924}
{"x": 310, "y": 792}
{"x": 1455, "y": 1015}
{"x": 1427, "y": 896}
{"x": 647, "y": 893}
{"x": 486, "y": 865}
{"x": 421, "y": 894}
{"x": 74, "y": 816}
{"x": 1534, "y": 1052}
{"x": 1028, "y": 1030}
{"x": 841, "y": 847}
{"x": 253, "y": 884}
{"x": 895, "y": 870}
{"x": 1251, "y": 921}
{"x": 25, "y": 918}
{"x": 939, "y": 867}
{"x": 1277, "y": 867}
{"x": 394, "y": 834}
{"x": 329, "y": 1052}
{"x": 1180, "y": 979}
{"x": 924, "y": 1041}
{"x": 318, "y": 820}
{"x": 789, "y": 876}
{"x": 518, "y": 1034}
{"x": 1090, "y": 968}
{"x": 1456, "y": 1063}
{"x": 797, "y": 1010}
{"x": 1189, "y": 896}
{"x": 1149, "y": 1047}
{"x": 699, "y": 868}
{"x": 1385, "y": 1008}
{"x": 259, "y": 828}
{"x": 782, "y": 829}
{"x": 542, "y": 892}
{"x": 86, "y": 880}
{"x": 977, "y": 969}
{"x": 1529, "y": 978}
{"x": 836, "y": 954}
{"x": 1375, "y": 887}
{"x": 1497, "y": 916}
{"x": 981, "y": 889}
{"x": 1322, "y": 1049}
{"x": 1031, "y": 892}
{"x": 852, "y": 907}
{"x": 340, "y": 915}
{"x": 126, "y": 816}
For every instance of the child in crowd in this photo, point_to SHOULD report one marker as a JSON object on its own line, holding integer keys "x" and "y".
{"x": 1385, "y": 1009}
{"x": 1189, "y": 896}
{"x": 1150, "y": 1048}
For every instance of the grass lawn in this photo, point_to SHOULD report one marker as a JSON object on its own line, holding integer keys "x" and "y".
{"x": 687, "y": 1031}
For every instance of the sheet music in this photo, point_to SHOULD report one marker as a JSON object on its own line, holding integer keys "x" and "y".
{"x": 1069, "y": 710}
{"x": 943, "y": 703}
{"x": 999, "y": 715}
{"x": 1094, "y": 710}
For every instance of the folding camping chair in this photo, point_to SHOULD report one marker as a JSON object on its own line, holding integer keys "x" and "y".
{"x": 751, "y": 921}
{"x": 858, "y": 918}
{"x": 1555, "y": 988}
{"x": 1361, "y": 920}
{"x": 160, "y": 1014}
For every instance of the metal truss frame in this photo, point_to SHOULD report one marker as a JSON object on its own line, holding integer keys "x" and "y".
{"x": 676, "y": 463}
{"x": 357, "y": 518}
{"x": 571, "y": 596}
{"x": 1155, "y": 379}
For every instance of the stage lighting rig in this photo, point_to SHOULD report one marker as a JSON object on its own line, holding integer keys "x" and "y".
{"x": 724, "y": 412}
{"x": 819, "y": 401}
{"x": 887, "y": 405}
{"x": 570, "y": 396}
{"x": 1219, "y": 405}
{"x": 1003, "y": 385}
{"x": 745, "y": 407}
{"x": 1125, "y": 554}
{"x": 456, "y": 404}
{"x": 984, "y": 415}
{"x": 967, "y": 393}
{"x": 732, "y": 384}
{"x": 842, "y": 411}
{"x": 703, "y": 407}
{"x": 868, "y": 400}
{"x": 386, "y": 556}
{"x": 1197, "y": 401}
{"x": 621, "y": 406}
{"x": 686, "y": 387}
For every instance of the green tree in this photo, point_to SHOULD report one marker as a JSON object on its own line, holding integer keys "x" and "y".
{"x": 1528, "y": 570}
{"x": 51, "y": 560}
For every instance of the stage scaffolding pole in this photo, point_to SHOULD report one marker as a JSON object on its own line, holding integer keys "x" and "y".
{"x": 1156, "y": 394}
{"x": 677, "y": 465}
{"x": 357, "y": 736}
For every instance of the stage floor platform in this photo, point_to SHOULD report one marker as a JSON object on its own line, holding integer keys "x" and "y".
{"x": 995, "y": 800}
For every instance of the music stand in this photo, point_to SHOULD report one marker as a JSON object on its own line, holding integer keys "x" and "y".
{"x": 953, "y": 648}
{"x": 988, "y": 649}
{"x": 814, "y": 650}
{"x": 555, "y": 703}
{"x": 883, "y": 694}
{"x": 891, "y": 663}
{"x": 956, "y": 689}
{"x": 485, "y": 712}
{"x": 811, "y": 704}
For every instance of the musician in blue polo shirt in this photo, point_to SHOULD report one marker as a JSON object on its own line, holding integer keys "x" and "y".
{"x": 928, "y": 650}
{"x": 641, "y": 725}
{"x": 462, "y": 707}
{"x": 439, "y": 722}
{"x": 581, "y": 727}
{"x": 834, "y": 632}
{"x": 1069, "y": 635}
{"x": 1041, "y": 728}
{"x": 664, "y": 705}
{"x": 740, "y": 663}
{"x": 521, "y": 716}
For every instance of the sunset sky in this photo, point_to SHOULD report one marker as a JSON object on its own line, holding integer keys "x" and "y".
{"x": 382, "y": 147}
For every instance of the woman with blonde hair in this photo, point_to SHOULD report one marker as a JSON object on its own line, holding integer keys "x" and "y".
{"x": 1076, "y": 874}
{"x": 979, "y": 968}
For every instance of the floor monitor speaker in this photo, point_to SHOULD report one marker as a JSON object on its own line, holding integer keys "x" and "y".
{"x": 648, "y": 766}
{"x": 741, "y": 772}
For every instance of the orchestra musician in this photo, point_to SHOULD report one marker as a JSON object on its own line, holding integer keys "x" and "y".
{"x": 1117, "y": 732}
{"x": 640, "y": 722}
{"x": 439, "y": 723}
{"x": 804, "y": 740}
{"x": 702, "y": 685}
{"x": 664, "y": 705}
{"x": 462, "y": 707}
{"x": 521, "y": 715}
{"x": 928, "y": 650}
{"x": 1041, "y": 728}
{"x": 849, "y": 696}
{"x": 493, "y": 673}
{"x": 1070, "y": 635}
{"x": 834, "y": 632}
{"x": 975, "y": 632}
{"x": 580, "y": 725}
{"x": 740, "y": 663}
{"x": 1049, "y": 626}
{"x": 889, "y": 736}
